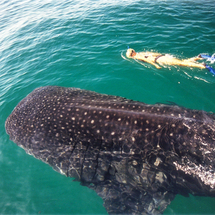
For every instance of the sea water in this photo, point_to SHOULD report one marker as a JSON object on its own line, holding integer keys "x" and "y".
{"x": 82, "y": 43}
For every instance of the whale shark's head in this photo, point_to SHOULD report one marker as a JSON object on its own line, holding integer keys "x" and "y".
{"x": 137, "y": 157}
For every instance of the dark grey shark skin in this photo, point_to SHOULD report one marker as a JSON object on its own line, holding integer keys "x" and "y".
{"x": 137, "y": 157}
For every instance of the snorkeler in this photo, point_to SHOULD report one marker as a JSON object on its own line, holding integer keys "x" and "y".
{"x": 157, "y": 60}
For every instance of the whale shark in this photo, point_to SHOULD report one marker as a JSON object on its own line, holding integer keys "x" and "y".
{"x": 136, "y": 156}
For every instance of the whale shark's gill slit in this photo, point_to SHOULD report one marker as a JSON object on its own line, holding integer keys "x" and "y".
{"x": 94, "y": 178}
{"x": 82, "y": 165}
{"x": 70, "y": 164}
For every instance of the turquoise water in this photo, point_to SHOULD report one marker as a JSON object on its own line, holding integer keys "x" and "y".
{"x": 82, "y": 44}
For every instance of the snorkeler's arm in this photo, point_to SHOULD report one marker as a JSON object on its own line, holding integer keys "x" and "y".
{"x": 152, "y": 63}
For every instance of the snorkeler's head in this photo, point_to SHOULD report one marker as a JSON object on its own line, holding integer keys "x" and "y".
{"x": 130, "y": 53}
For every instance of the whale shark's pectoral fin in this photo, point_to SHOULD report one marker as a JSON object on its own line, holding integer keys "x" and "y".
{"x": 126, "y": 199}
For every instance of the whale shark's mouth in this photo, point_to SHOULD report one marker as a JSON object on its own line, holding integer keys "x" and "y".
{"x": 136, "y": 156}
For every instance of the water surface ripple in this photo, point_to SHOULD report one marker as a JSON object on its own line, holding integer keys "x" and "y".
{"x": 80, "y": 44}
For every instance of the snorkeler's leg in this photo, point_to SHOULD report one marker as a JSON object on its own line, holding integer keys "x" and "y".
{"x": 192, "y": 64}
{"x": 169, "y": 60}
{"x": 192, "y": 59}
